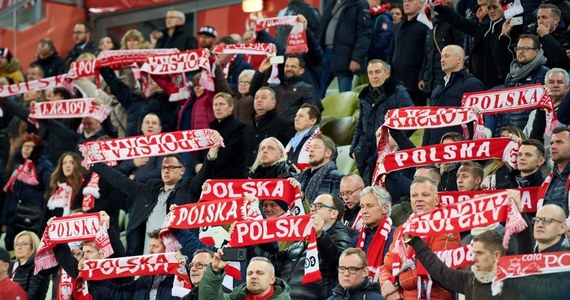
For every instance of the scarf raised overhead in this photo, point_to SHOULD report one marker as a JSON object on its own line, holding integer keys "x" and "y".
{"x": 529, "y": 197}
{"x": 297, "y": 40}
{"x": 68, "y": 109}
{"x": 267, "y": 49}
{"x": 35, "y": 85}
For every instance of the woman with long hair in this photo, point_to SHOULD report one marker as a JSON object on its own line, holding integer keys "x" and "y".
{"x": 64, "y": 184}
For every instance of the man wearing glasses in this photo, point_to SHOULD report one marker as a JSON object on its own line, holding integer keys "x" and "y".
{"x": 350, "y": 187}
{"x": 82, "y": 41}
{"x": 353, "y": 280}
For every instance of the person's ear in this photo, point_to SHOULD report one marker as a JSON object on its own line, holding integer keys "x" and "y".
{"x": 541, "y": 161}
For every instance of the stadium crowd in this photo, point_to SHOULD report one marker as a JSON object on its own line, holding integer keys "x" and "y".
{"x": 341, "y": 236}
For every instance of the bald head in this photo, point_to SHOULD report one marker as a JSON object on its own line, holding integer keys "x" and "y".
{"x": 549, "y": 226}
{"x": 452, "y": 58}
{"x": 350, "y": 187}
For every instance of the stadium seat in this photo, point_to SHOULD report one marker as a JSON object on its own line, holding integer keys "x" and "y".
{"x": 359, "y": 88}
{"x": 345, "y": 163}
{"x": 340, "y": 130}
{"x": 340, "y": 105}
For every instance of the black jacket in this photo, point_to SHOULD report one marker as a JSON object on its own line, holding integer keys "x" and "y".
{"x": 36, "y": 286}
{"x": 450, "y": 95}
{"x": 72, "y": 55}
{"x": 555, "y": 45}
{"x": 270, "y": 125}
{"x": 279, "y": 170}
{"x": 52, "y": 65}
{"x": 366, "y": 290}
{"x": 146, "y": 196}
{"x": 180, "y": 40}
{"x": 299, "y": 7}
{"x": 237, "y": 66}
{"x": 351, "y": 37}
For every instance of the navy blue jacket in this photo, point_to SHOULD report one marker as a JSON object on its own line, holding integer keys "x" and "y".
{"x": 382, "y": 29}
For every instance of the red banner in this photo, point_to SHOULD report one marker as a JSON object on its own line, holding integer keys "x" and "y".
{"x": 263, "y": 189}
{"x": 529, "y": 197}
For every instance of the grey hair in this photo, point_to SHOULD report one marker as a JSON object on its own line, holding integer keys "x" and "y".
{"x": 556, "y": 70}
{"x": 256, "y": 163}
{"x": 380, "y": 194}
{"x": 179, "y": 14}
{"x": 266, "y": 260}
{"x": 248, "y": 72}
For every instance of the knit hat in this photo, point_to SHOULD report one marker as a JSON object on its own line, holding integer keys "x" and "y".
{"x": 281, "y": 204}
{"x": 4, "y": 52}
{"x": 208, "y": 30}
{"x": 4, "y": 255}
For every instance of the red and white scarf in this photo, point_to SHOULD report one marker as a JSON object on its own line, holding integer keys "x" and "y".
{"x": 380, "y": 9}
{"x": 35, "y": 85}
{"x": 211, "y": 213}
{"x": 68, "y": 109}
{"x": 297, "y": 40}
{"x": 143, "y": 265}
{"x": 159, "y": 144}
{"x": 529, "y": 197}
{"x": 458, "y": 257}
{"x": 61, "y": 198}
{"x": 295, "y": 228}
{"x": 303, "y": 158}
{"x": 119, "y": 59}
{"x": 518, "y": 98}
{"x": 375, "y": 250}
{"x": 25, "y": 173}
{"x": 91, "y": 192}
{"x": 77, "y": 228}
{"x": 516, "y": 266}
{"x": 65, "y": 286}
{"x": 267, "y": 49}
{"x": 499, "y": 148}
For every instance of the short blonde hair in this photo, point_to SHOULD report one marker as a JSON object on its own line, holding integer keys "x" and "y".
{"x": 33, "y": 237}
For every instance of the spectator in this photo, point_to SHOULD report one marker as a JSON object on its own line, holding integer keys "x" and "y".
{"x": 469, "y": 176}
{"x": 82, "y": 41}
{"x": 201, "y": 259}
{"x": 266, "y": 123}
{"x": 10, "y": 66}
{"x": 487, "y": 61}
{"x": 349, "y": 190}
{"x": 353, "y": 280}
{"x": 528, "y": 68}
{"x": 553, "y": 36}
{"x": 133, "y": 39}
{"x": 298, "y": 7}
{"x": 376, "y": 235}
{"x": 10, "y": 289}
{"x": 424, "y": 198}
{"x": 306, "y": 124}
{"x": 153, "y": 199}
{"x": 243, "y": 108}
{"x": 22, "y": 269}
{"x": 232, "y": 64}
{"x": 35, "y": 72}
{"x": 408, "y": 51}
{"x": 48, "y": 58}
{"x": 456, "y": 82}
{"x": 322, "y": 176}
{"x": 474, "y": 284}
{"x": 449, "y": 170}
{"x": 382, "y": 94}
{"x": 397, "y": 12}
{"x": 530, "y": 158}
{"x": 564, "y": 6}
{"x": 68, "y": 173}
{"x": 174, "y": 35}
{"x": 293, "y": 92}
{"x": 345, "y": 27}
{"x": 207, "y": 36}
{"x": 560, "y": 155}
{"x": 30, "y": 172}
{"x": 382, "y": 30}
{"x": 260, "y": 281}
{"x": 271, "y": 161}
{"x": 231, "y": 159}
{"x": 108, "y": 43}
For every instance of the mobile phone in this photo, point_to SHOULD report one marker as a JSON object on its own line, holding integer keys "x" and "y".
{"x": 234, "y": 254}
{"x": 516, "y": 21}
{"x": 276, "y": 60}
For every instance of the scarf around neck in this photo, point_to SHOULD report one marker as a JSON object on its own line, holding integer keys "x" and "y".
{"x": 312, "y": 188}
{"x": 519, "y": 72}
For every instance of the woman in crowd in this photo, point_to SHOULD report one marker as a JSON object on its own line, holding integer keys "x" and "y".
{"x": 64, "y": 184}
{"x": 21, "y": 270}
{"x": 133, "y": 39}
{"x": 397, "y": 11}
{"x": 107, "y": 43}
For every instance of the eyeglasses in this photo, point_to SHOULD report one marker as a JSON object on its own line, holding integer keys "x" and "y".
{"x": 544, "y": 220}
{"x": 524, "y": 49}
{"x": 244, "y": 82}
{"x": 170, "y": 168}
{"x": 349, "y": 193}
{"x": 318, "y": 205}
{"x": 198, "y": 266}
{"x": 172, "y": 17}
{"x": 22, "y": 244}
{"x": 79, "y": 32}
{"x": 351, "y": 270}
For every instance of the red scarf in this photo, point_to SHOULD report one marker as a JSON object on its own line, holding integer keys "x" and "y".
{"x": 267, "y": 49}
{"x": 458, "y": 257}
{"x": 159, "y": 144}
{"x": 77, "y": 228}
{"x": 91, "y": 192}
{"x": 35, "y": 85}
{"x": 68, "y": 109}
{"x": 529, "y": 197}
{"x": 294, "y": 228}
{"x": 499, "y": 148}
{"x": 375, "y": 251}
{"x": 297, "y": 40}
{"x": 120, "y": 59}
{"x": 516, "y": 266}
{"x": 518, "y": 98}
{"x": 62, "y": 198}
{"x": 379, "y": 9}
{"x": 25, "y": 173}
{"x": 267, "y": 296}
{"x": 143, "y": 265}
{"x": 66, "y": 286}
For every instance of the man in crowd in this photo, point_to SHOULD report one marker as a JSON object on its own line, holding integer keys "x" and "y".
{"x": 35, "y": 72}
{"x": 47, "y": 57}
{"x": 200, "y": 261}
{"x": 322, "y": 175}
{"x": 232, "y": 64}
{"x": 207, "y": 37}
{"x": 260, "y": 281}
{"x": 530, "y": 158}
{"x": 174, "y": 36}
{"x": 345, "y": 27}
{"x": 82, "y": 41}
{"x": 293, "y": 92}
{"x": 457, "y": 81}
{"x": 424, "y": 197}
{"x": 349, "y": 190}
{"x": 306, "y": 123}
{"x": 353, "y": 280}
{"x": 469, "y": 176}
{"x": 553, "y": 36}
{"x": 298, "y": 7}
{"x": 382, "y": 94}
{"x": 557, "y": 192}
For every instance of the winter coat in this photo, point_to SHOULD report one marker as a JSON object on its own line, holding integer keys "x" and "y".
{"x": 557, "y": 192}
{"x": 279, "y": 170}
{"x": 13, "y": 70}
{"x": 77, "y": 50}
{"x": 211, "y": 288}
{"x": 564, "y": 6}
{"x": 382, "y": 31}
{"x": 555, "y": 45}
{"x": 36, "y": 286}
{"x": 180, "y": 40}
{"x": 271, "y": 124}
{"x": 299, "y": 7}
{"x": 52, "y": 65}
{"x": 366, "y": 290}
{"x": 329, "y": 184}
{"x": 352, "y": 35}
{"x": 243, "y": 109}
{"x": 450, "y": 95}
